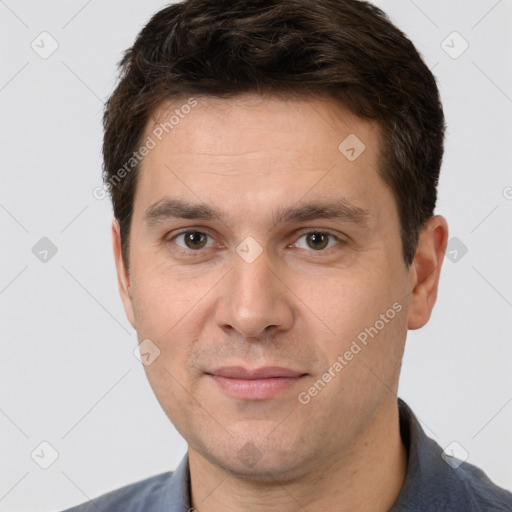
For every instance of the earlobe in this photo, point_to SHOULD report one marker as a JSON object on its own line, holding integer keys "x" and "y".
{"x": 426, "y": 269}
{"x": 123, "y": 276}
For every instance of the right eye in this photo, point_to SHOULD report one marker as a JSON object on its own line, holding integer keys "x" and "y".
{"x": 192, "y": 240}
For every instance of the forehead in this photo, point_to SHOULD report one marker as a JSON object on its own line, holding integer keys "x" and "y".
{"x": 250, "y": 120}
{"x": 251, "y": 150}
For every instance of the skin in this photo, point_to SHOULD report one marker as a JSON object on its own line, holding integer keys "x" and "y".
{"x": 295, "y": 305}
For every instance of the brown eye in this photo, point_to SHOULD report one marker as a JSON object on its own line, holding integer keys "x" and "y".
{"x": 192, "y": 240}
{"x": 317, "y": 241}
{"x": 195, "y": 240}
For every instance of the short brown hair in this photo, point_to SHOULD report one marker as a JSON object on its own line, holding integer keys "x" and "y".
{"x": 347, "y": 50}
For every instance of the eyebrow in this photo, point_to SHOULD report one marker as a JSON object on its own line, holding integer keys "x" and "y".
{"x": 340, "y": 209}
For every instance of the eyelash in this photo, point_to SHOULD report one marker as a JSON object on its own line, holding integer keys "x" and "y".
{"x": 197, "y": 253}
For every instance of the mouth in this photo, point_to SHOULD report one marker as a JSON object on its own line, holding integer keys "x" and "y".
{"x": 255, "y": 384}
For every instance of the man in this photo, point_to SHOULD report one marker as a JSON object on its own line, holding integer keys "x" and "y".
{"x": 273, "y": 170}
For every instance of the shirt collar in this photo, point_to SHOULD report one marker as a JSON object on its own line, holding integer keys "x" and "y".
{"x": 431, "y": 484}
{"x": 177, "y": 495}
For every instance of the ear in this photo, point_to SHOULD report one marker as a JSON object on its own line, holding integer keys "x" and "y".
{"x": 426, "y": 270}
{"x": 123, "y": 276}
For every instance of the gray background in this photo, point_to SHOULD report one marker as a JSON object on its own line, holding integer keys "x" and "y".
{"x": 68, "y": 374}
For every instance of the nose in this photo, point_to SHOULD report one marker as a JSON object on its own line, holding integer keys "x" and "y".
{"x": 254, "y": 299}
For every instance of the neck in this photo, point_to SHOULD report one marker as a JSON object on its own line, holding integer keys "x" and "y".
{"x": 366, "y": 478}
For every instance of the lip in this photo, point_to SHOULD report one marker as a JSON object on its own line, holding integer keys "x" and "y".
{"x": 239, "y": 372}
{"x": 255, "y": 384}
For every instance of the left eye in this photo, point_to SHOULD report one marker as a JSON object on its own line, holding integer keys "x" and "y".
{"x": 317, "y": 240}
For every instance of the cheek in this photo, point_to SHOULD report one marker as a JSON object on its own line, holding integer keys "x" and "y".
{"x": 174, "y": 392}
{"x": 172, "y": 309}
{"x": 365, "y": 311}
{"x": 347, "y": 300}
{"x": 167, "y": 314}
{"x": 163, "y": 295}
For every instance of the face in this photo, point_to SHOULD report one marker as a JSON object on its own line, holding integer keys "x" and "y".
{"x": 267, "y": 280}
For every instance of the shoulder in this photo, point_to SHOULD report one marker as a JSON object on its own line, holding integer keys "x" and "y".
{"x": 136, "y": 497}
{"x": 438, "y": 482}
{"x": 482, "y": 493}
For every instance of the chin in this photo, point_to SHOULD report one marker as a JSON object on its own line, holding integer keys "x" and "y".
{"x": 247, "y": 460}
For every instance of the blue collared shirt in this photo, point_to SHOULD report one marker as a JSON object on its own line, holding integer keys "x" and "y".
{"x": 431, "y": 485}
